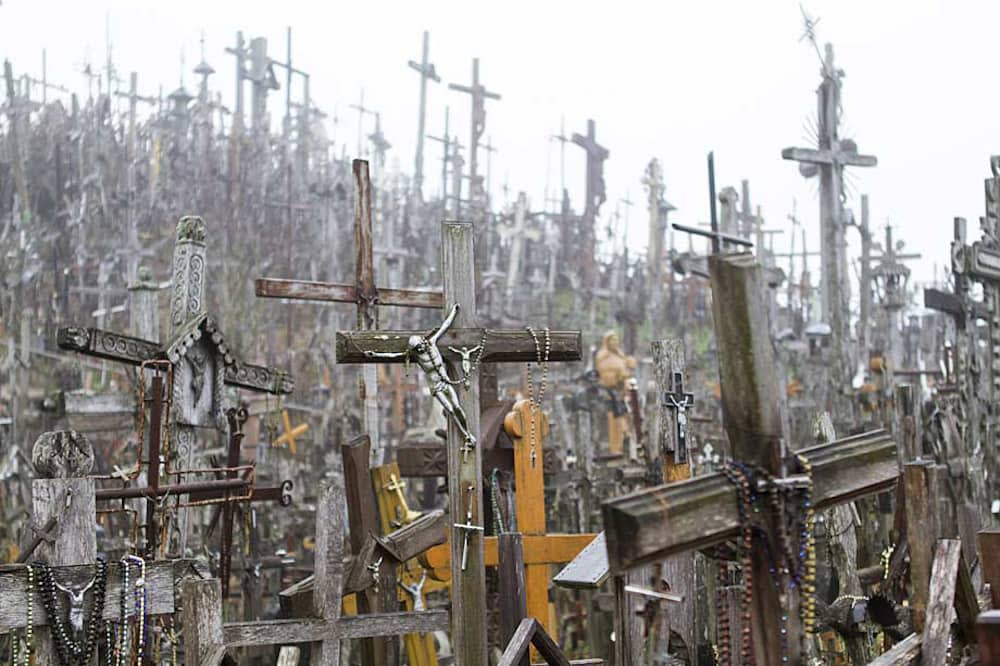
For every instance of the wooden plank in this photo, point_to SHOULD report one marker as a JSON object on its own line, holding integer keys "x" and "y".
{"x": 668, "y": 358}
{"x": 14, "y": 583}
{"x": 988, "y": 541}
{"x": 279, "y": 632}
{"x": 828, "y": 157}
{"x": 427, "y": 531}
{"x": 328, "y": 575}
{"x": 513, "y": 597}
{"x": 465, "y": 472}
{"x": 548, "y": 647}
{"x": 589, "y": 569}
{"x": 903, "y": 653}
{"x": 988, "y": 637}
{"x": 508, "y": 346}
{"x": 202, "y": 617}
{"x": 517, "y": 647}
{"x": 922, "y": 532}
{"x": 547, "y": 549}
{"x": 941, "y": 601}
{"x": 703, "y": 511}
{"x": 345, "y": 293}
{"x": 966, "y": 603}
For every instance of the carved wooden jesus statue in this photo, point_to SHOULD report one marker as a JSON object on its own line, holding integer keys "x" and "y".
{"x": 614, "y": 369}
{"x": 423, "y": 349}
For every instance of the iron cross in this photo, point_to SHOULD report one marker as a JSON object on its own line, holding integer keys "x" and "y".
{"x": 679, "y": 401}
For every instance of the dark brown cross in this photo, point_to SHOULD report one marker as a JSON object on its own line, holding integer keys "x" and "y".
{"x": 652, "y": 524}
{"x": 464, "y": 471}
{"x": 479, "y": 95}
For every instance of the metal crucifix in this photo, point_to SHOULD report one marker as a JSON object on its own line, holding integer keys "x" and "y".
{"x": 678, "y": 400}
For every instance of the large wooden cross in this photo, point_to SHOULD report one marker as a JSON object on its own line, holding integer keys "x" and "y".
{"x": 363, "y": 293}
{"x": 464, "y": 470}
{"x": 651, "y": 524}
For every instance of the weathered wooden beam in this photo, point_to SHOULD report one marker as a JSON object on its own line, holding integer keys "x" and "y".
{"x": 589, "y": 569}
{"x": 651, "y": 524}
{"x": 278, "y": 632}
{"x": 345, "y": 293}
{"x": 944, "y": 576}
{"x": 259, "y": 378}
{"x": 14, "y": 581}
{"x": 903, "y": 653}
{"x": 922, "y": 532}
{"x": 988, "y": 541}
{"x": 988, "y": 637}
{"x": 509, "y": 346}
{"x": 514, "y": 595}
{"x": 202, "y": 616}
{"x": 107, "y": 345}
{"x": 427, "y": 531}
{"x": 517, "y": 647}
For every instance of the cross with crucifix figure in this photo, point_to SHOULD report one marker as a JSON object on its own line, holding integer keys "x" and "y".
{"x": 648, "y": 525}
{"x": 201, "y": 360}
{"x": 479, "y": 95}
{"x": 465, "y": 495}
{"x": 363, "y": 293}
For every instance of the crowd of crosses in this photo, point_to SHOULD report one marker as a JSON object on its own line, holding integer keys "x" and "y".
{"x": 529, "y": 443}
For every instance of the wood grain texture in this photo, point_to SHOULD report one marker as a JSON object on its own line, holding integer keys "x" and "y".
{"x": 548, "y": 549}
{"x": 328, "y": 572}
{"x": 314, "y": 630}
{"x": 941, "y": 601}
{"x": 903, "y": 653}
{"x": 513, "y": 595}
{"x": 468, "y": 585}
{"x": 304, "y": 290}
{"x": 202, "y": 618}
{"x": 650, "y": 524}
{"x": 501, "y": 345}
{"x": 922, "y": 533}
{"x": 14, "y": 582}
{"x": 589, "y": 569}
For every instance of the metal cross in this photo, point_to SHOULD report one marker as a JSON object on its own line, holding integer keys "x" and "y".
{"x": 468, "y": 526}
{"x": 679, "y": 401}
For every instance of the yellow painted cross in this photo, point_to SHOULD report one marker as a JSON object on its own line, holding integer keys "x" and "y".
{"x": 288, "y": 437}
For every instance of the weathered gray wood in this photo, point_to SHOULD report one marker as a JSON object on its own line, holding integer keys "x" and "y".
{"x": 202, "y": 618}
{"x": 828, "y": 157}
{"x": 72, "y": 502}
{"x": 903, "y": 653}
{"x": 345, "y": 293}
{"x": 505, "y": 345}
{"x": 547, "y": 647}
{"x": 703, "y": 511}
{"x": 922, "y": 531}
{"x": 468, "y": 584}
{"x": 278, "y": 632}
{"x": 288, "y": 655}
{"x": 327, "y": 570}
{"x": 513, "y": 595}
{"x": 517, "y": 646}
{"x": 88, "y": 412}
{"x": 414, "y": 538}
{"x": 941, "y": 601}
{"x": 14, "y": 581}
{"x": 668, "y": 358}
{"x": 988, "y": 542}
{"x": 589, "y": 569}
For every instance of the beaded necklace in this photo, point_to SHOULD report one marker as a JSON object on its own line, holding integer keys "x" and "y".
{"x": 68, "y": 650}
{"x": 542, "y": 359}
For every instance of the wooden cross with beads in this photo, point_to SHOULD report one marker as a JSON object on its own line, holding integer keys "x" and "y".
{"x": 464, "y": 471}
{"x": 649, "y": 525}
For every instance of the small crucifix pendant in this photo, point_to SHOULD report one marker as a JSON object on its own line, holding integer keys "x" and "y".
{"x": 468, "y": 527}
{"x": 466, "y": 355}
{"x": 679, "y": 401}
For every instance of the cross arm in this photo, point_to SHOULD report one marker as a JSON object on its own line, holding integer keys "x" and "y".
{"x": 501, "y": 346}
{"x": 652, "y": 524}
{"x": 107, "y": 345}
{"x": 259, "y": 378}
{"x": 277, "y": 632}
{"x": 344, "y": 293}
{"x": 474, "y": 90}
{"x": 828, "y": 157}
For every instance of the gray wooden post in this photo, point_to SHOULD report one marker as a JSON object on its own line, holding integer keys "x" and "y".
{"x": 513, "y": 596}
{"x": 328, "y": 567}
{"x": 71, "y": 502}
{"x": 202, "y": 618}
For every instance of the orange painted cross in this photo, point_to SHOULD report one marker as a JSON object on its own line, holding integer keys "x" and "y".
{"x": 288, "y": 437}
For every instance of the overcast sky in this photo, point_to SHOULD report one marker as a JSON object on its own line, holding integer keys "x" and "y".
{"x": 671, "y": 79}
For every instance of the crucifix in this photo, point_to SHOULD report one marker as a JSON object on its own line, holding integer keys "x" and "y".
{"x": 464, "y": 470}
{"x": 363, "y": 293}
{"x": 479, "y": 95}
{"x": 649, "y": 525}
{"x": 445, "y": 140}
{"x": 827, "y": 161}
{"x": 362, "y": 112}
{"x": 201, "y": 360}
{"x": 596, "y": 195}
{"x": 426, "y": 70}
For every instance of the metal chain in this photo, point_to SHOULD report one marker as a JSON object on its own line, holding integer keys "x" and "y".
{"x": 533, "y": 404}
{"x": 495, "y": 501}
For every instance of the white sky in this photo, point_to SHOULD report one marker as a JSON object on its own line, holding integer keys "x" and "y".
{"x": 670, "y": 79}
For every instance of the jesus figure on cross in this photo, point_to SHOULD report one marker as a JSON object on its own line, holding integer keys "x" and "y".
{"x": 424, "y": 350}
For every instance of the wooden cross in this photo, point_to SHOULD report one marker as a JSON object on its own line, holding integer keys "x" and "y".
{"x": 287, "y": 438}
{"x": 828, "y": 160}
{"x": 427, "y": 73}
{"x": 363, "y": 293}
{"x": 207, "y": 638}
{"x": 464, "y": 471}
{"x": 479, "y": 95}
{"x": 649, "y": 525}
